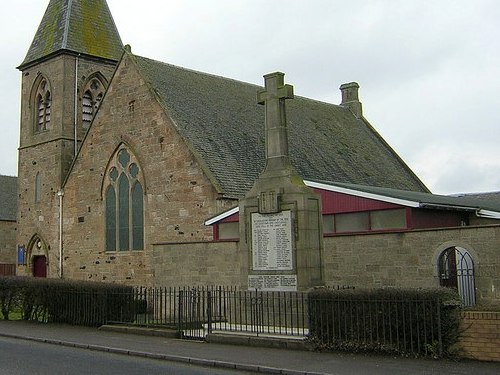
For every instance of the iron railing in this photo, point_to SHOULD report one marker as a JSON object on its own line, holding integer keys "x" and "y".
{"x": 403, "y": 326}
{"x": 195, "y": 312}
{"x": 400, "y": 326}
{"x": 7, "y": 269}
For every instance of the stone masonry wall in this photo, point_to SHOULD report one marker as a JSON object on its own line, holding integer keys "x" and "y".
{"x": 8, "y": 242}
{"x": 178, "y": 195}
{"x": 410, "y": 259}
{"x": 193, "y": 264}
{"x": 48, "y": 153}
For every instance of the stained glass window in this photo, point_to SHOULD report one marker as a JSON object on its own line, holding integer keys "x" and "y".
{"x": 124, "y": 204}
{"x": 110, "y": 219}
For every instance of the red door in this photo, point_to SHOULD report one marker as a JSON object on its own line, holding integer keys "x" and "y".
{"x": 40, "y": 266}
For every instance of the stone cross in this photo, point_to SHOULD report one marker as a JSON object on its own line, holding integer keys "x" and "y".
{"x": 273, "y": 97}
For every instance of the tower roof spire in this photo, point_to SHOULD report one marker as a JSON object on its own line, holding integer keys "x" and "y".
{"x": 77, "y": 26}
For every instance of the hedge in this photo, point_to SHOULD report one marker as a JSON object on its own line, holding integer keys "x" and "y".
{"x": 65, "y": 301}
{"x": 390, "y": 320}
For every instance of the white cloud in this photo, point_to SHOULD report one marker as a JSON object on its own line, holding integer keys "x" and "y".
{"x": 429, "y": 70}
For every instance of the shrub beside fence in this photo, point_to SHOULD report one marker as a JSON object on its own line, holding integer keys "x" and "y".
{"x": 418, "y": 322}
{"x": 62, "y": 301}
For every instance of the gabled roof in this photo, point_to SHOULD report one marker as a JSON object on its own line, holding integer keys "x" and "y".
{"x": 79, "y": 26}
{"x": 224, "y": 126}
{"x": 481, "y": 207}
{"x": 8, "y": 198}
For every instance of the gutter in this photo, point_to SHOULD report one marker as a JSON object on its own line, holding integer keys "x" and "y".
{"x": 60, "y": 194}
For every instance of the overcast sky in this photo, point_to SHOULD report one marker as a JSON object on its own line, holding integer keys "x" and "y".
{"x": 429, "y": 70}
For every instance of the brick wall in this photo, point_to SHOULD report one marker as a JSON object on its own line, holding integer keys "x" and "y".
{"x": 481, "y": 335}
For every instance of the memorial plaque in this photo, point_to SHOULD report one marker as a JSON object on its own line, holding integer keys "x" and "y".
{"x": 281, "y": 283}
{"x": 272, "y": 242}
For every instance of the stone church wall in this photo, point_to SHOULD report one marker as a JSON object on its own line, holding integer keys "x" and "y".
{"x": 48, "y": 153}
{"x": 8, "y": 242}
{"x": 411, "y": 259}
{"x": 407, "y": 259}
{"x": 178, "y": 195}
{"x": 197, "y": 264}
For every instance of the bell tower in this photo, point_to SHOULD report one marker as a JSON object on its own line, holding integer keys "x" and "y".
{"x": 64, "y": 77}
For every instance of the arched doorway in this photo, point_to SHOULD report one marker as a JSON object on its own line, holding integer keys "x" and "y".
{"x": 40, "y": 266}
{"x": 456, "y": 270}
{"x": 38, "y": 256}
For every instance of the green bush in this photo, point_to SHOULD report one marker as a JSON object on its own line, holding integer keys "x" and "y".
{"x": 403, "y": 321}
{"x": 66, "y": 301}
{"x": 9, "y": 296}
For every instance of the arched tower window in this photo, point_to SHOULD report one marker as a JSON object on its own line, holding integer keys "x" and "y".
{"x": 124, "y": 203}
{"x": 456, "y": 270}
{"x": 91, "y": 99}
{"x": 43, "y": 106}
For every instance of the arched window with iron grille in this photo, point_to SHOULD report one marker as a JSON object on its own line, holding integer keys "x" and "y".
{"x": 456, "y": 270}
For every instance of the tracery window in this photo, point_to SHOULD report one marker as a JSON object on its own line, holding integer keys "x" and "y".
{"x": 43, "y": 106}
{"x": 91, "y": 99}
{"x": 124, "y": 203}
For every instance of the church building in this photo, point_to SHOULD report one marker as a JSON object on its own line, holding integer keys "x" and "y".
{"x": 133, "y": 170}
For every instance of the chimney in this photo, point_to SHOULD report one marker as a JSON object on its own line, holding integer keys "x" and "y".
{"x": 350, "y": 98}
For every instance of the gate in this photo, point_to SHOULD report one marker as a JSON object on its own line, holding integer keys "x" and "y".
{"x": 196, "y": 312}
{"x": 456, "y": 270}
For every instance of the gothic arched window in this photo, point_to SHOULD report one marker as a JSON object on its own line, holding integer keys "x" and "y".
{"x": 91, "y": 99}
{"x": 124, "y": 203}
{"x": 43, "y": 106}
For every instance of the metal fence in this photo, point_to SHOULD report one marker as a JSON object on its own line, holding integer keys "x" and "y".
{"x": 7, "y": 269}
{"x": 399, "y": 326}
{"x": 390, "y": 325}
{"x": 195, "y": 312}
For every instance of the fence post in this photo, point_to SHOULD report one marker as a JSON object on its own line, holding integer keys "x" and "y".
{"x": 209, "y": 310}
{"x": 440, "y": 338}
{"x": 179, "y": 316}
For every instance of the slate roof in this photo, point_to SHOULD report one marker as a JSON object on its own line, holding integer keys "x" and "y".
{"x": 224, "y": 126}
{"x": 8, "y": 198}
{"x": 490, "y": 195}
{"x": 79, "y": 26}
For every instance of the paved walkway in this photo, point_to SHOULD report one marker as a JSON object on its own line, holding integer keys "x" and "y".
{"x": 263, "y": 360}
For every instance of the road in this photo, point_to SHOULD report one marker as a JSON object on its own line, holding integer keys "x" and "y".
{"x": 20, "y": 357}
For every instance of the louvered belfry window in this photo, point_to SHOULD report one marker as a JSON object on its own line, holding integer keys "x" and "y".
{"x": 43, "y": 105}
{"x": 87, "y": 109}
{"x": 124, "y": 204}
{"x": 91, "y": 100}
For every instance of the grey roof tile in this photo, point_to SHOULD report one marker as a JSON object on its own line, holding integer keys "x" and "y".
{"x": 222, "y": 123}
{"x": 80, "y": 26}
{"x": 8, "y": 198}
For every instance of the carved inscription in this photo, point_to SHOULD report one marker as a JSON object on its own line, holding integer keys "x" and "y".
{"x": 282, "y": 283}
{"x": 272, "y": 242}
